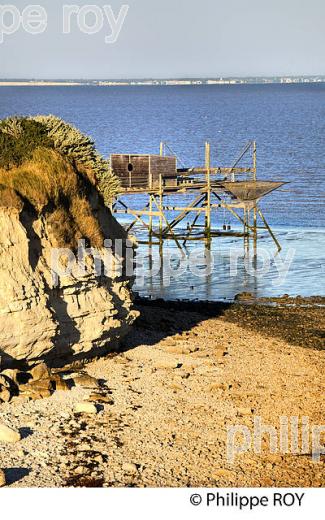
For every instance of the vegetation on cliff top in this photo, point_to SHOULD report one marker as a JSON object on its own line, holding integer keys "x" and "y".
{"x": 20, "y": 136}
{"x": 53, "y": 168}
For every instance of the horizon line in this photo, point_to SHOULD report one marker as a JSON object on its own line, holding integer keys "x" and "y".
{"x": 164, "y": 78}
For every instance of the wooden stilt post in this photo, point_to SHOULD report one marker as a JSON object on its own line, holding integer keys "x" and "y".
{"x": 248, "y": 227}
{"x": 161, "y": 199}
{"x": 255, "y": 205}
{"x": 208, "y": 193}
{"x": 150, "y": 217}
{"x": 254, "y": 160}
{"x": 245, "y": 226}
{"x": 255, "y": 228}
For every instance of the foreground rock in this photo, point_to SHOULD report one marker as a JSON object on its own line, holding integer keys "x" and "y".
{"x": 39, "y": 372}
{"x": 129, "y": 468}
{"x": 8, "y": 435}
{"x": 2, "y": 478}
{"x": 5, "y": 393}
{"x": 37, "y": 389}
{"x": 86, "y": 408}
{"x": 86, "y": 381}
{"x": 41, "y": 382}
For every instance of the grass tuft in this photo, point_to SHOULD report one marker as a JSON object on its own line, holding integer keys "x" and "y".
{"x": 21, "y": 136}
{"x": 57, "y": 170}
{"x": 55, "y": 188}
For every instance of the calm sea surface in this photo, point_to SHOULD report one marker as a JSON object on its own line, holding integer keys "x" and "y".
{"x": 286, "y": 121}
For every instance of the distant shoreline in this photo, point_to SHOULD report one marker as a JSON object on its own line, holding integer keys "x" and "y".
{"x": 285, "y": 80}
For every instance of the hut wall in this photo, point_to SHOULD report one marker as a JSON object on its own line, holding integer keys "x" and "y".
{"x": 142, "y": 171}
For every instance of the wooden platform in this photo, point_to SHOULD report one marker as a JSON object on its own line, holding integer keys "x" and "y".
{"x": 234, "y": 189}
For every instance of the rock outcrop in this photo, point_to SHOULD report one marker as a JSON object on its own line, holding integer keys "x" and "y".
{"x": 51, "y": 309}
{"x": 42, "y": 321}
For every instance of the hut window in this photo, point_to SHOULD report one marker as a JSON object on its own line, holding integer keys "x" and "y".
{"x": 130, "y": 167}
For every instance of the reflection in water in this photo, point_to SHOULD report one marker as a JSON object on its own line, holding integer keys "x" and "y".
{"x": 233, "y": 267}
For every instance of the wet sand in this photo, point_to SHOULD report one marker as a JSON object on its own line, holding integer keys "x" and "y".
{"x": 182, "y": 379}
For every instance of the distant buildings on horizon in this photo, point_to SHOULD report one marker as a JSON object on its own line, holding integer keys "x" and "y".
{"x": 216, "y": 81}
{"x": 167, "y": 82}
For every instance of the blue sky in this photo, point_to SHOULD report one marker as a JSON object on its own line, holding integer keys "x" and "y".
{"x": 174, "y": 38}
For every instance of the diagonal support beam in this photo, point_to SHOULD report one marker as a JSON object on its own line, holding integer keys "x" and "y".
{"x": 269, "y": 229}
{"x": 168, "y": 225}
{"x": 183, "y": 214}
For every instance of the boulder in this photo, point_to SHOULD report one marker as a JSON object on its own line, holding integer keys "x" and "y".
{"x": 6, "y": 388}
{"x": 40, "y": 371}
{"x": 86, "y": 381}
{"x": 85, "y": 408}
{"x": 129, "y": 468}
{"x": 37, "y": 389}
{"x": 4, "y": 381}
{"x": 101, "y": 398}
{"x": 59, "y": 383}
{"x": 11, "y": 374}
{"x": 8, "y": 435}
{"x": 2, "y": 478}
{"x": 5, "y": 395}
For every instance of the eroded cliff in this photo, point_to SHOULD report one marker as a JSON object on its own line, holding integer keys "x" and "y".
{"x": 47, "y": 312}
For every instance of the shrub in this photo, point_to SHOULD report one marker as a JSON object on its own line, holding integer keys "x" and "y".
{"x": 54, "y": 167}
{"x": 19, "y": 138}
{"x": 52, "y": 185}
{"x": 72, "y": 143}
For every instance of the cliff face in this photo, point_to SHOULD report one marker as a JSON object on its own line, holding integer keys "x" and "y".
{"x": 39, "y": 319}
{"x": 48, "y": 204}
